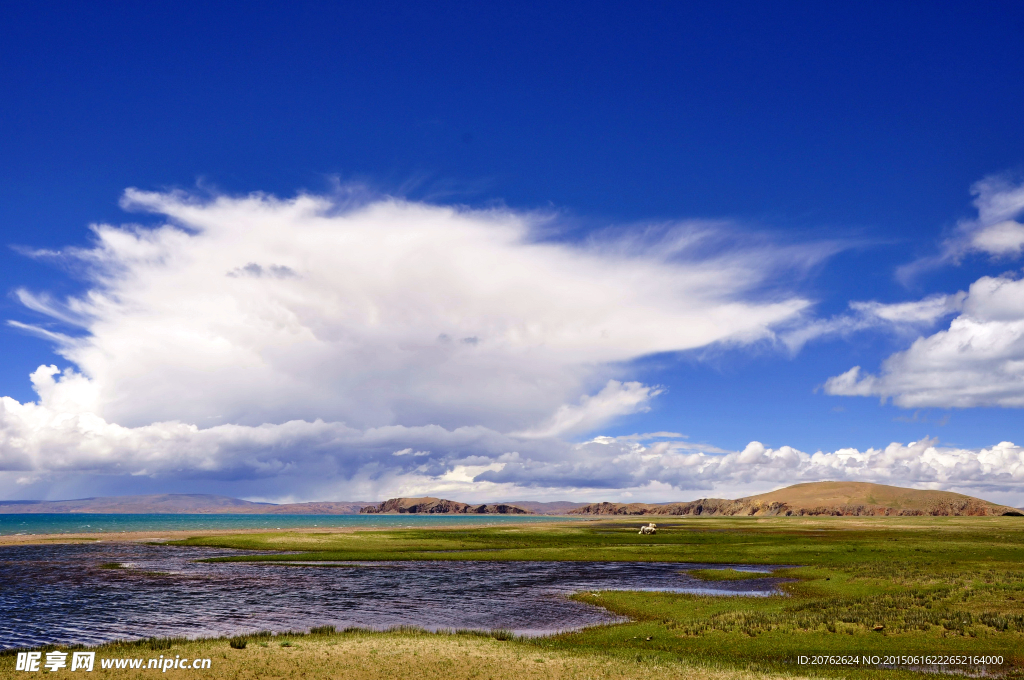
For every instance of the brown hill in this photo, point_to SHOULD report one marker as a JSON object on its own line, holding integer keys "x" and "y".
{"x": 818, "y": 498}
{"x": 434, "y": 506}
{"x": 177, "y": 503}
{"x": 871, "y": 495}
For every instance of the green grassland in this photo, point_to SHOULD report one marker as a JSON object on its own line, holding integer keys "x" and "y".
{"x": 860, "y": 586}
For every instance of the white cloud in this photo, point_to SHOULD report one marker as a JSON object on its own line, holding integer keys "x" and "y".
{"x": 251, "y": 310}
{"x": 997, "y": 200}
{"x": 1004, "y": 239}
{"x": 407, "y": 451}
{"x": 394, "y": 348}
{"x": 613, "y": 464}
{"x": 901, "y": 317}
{"x": 977, "y": 361}
{"x": 926, "y": 311}
{"x": 994, "y": 232}
{"x": 253, "y": 337}
{"x": 302, "y": 460}
{"x": 615, "y": 399}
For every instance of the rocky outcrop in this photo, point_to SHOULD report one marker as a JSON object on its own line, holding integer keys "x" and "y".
{"x": 441, "y": 506}
{"x": 704, "y": 507}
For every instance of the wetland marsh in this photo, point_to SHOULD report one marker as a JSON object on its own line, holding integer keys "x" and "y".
{"x": 100, "y": 592}
{"x": 859, "y": 586}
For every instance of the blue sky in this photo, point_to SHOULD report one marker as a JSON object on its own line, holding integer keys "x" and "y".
{"x": 716, "y": 183}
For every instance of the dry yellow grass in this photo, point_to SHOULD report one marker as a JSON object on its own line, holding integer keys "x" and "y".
{"x": 385, "y": 656}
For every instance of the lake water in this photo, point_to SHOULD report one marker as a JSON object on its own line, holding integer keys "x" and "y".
{"x": 59, "y": 594}
{"x": 70, "y": 523}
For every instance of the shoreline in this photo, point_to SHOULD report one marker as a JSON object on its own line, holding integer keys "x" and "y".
{"x": 180, "y": 534}
{"x": 552, "y": 521}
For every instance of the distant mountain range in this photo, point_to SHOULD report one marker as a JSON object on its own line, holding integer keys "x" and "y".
{"x": 195, "y": 503}
{"x": 182, "y": 503}
{"x": 817, "y": 498}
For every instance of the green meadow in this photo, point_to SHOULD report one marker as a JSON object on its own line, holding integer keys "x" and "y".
{"x": 885, "y": 587}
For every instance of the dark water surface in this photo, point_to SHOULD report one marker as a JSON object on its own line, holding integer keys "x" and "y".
{"x": 60, "y": 594}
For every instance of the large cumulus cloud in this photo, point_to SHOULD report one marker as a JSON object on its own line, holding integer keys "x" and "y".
{"x": 254, "y": 309}
{"x": 253, "y": 337}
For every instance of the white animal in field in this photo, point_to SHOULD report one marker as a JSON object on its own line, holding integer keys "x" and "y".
{"x": 651, "y": 528}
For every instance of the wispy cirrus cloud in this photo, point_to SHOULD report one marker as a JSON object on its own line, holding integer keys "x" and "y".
{"x": 901, "y": 318}
{"x": 614, "y": 400}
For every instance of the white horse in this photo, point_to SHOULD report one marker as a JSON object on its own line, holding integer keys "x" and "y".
{"x": 651, "y": 528}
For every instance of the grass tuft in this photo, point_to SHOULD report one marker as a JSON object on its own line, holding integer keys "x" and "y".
{"x": 408, "y": 630}
{"x": 158, "y": 643}
{"x": 323, "y": 630}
